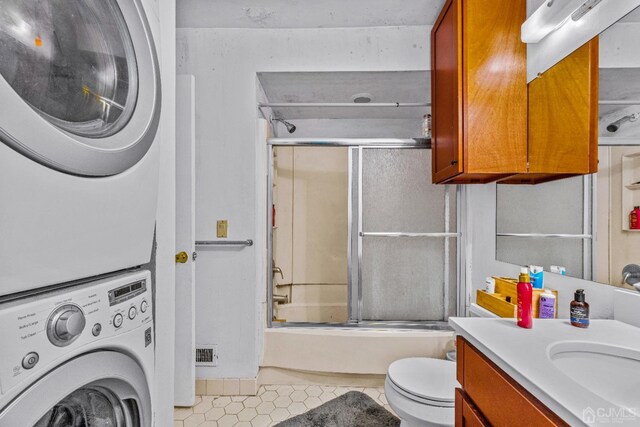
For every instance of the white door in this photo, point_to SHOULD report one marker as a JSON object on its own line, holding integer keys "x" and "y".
{"x": 185, "y": 368}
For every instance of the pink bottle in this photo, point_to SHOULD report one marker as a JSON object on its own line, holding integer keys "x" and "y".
{"x": 525, "y": 296}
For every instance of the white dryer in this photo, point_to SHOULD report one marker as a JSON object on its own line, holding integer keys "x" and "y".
{"x": 82, "y": 355}
{"x": 79, "y": 113}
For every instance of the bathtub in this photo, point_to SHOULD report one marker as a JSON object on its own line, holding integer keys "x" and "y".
{"x": 345, "y": 355}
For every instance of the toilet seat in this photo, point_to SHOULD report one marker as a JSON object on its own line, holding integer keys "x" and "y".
{"x": 427, "y": 381}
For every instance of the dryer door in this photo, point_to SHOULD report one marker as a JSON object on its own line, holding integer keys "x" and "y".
{"x": 98, "y": 389}
{"x": 80, "y": 88}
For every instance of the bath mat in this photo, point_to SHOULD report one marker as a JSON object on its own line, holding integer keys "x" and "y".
{"x": 352, "y": 409}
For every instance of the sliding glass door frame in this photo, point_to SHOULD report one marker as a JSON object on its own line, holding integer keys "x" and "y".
{"x": 354, "y": 287}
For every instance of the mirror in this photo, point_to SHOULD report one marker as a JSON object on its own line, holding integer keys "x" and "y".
{"x": 581, "y": 226}
{"x": 554, "y": 29}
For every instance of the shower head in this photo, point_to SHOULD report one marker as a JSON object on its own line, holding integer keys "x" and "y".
{"x": 290, "y": 127}
{"x": 614, "y": 126}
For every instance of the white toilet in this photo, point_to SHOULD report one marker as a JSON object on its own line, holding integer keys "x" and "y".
{"x": 421, "y": 391}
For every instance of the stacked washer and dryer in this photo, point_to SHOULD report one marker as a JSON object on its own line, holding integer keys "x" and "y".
{"x": 79, "y": 112}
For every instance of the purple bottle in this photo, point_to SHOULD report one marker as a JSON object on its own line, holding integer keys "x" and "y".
{"x": 547, "y": 305}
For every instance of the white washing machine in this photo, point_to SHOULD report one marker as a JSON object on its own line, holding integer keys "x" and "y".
{"x": 79, "y": 356}
{"x": 79, "y": 113}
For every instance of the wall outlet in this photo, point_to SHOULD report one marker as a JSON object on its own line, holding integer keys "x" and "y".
{"x": 222, "y": 228}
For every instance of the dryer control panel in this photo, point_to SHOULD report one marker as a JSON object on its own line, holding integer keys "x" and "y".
{"x": 44, "y": 329}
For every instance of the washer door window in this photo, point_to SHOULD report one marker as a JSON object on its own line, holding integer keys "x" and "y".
{"x": 89, "y": 407}
{"x": 79, "y": 83}
{"x": 99, "y": 389}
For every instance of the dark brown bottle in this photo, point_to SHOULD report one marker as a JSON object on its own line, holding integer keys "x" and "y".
{"x": 579, "y": 310}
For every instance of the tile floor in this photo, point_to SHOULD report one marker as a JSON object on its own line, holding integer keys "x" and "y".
{"x": 274, "y": 403}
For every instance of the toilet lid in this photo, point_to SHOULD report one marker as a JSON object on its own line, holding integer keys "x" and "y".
{"x": 431, "y": 379}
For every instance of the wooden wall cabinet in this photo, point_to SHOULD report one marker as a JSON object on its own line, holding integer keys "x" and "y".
{"x": 478, "y": 91}
{"x": 488, "y": 124}
{"x": 563, "y": 119}
{"x": 490, "y": 397}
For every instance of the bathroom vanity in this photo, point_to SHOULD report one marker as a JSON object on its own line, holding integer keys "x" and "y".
{"x": 489, "y": 396}
{"x": 553, "y": 374}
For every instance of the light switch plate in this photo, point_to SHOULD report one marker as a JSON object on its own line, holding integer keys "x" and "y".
{"x": 222, "y": 228}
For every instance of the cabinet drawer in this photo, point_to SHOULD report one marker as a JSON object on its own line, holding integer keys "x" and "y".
{"x": 501, "y": 400}
{"x": 467, "y": 415}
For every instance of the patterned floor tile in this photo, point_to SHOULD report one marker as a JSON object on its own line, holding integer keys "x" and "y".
{"x": 247, "y": 414}
{"x": 282, "y": 402}
{"x": 261, "y": 421}
{"x": 279, "y": 414}
{"x": 180, "y": 414}
{"x": 194, "y": 420}
{"x": 214, "y": 414}
{"x": 272, "y": 404}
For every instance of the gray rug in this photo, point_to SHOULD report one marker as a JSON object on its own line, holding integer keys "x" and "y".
{"x": 353, "y": 409}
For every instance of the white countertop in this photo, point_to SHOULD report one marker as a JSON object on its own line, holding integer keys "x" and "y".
{"x": 522, "y": 354}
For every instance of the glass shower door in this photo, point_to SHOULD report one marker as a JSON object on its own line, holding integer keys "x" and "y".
{"x": 403, "y": 237}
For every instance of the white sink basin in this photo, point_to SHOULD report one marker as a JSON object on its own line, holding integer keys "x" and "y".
{"x": 611, "y": 372}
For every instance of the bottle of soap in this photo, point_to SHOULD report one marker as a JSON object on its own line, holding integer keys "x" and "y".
{"x": 634, "y": 218}
{"x": 525, "y": 296}
{"x": 547, "y": 305}
{"x": 579, "y": 310}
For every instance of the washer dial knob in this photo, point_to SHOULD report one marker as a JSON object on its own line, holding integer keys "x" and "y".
{"x": 65, "y": 325}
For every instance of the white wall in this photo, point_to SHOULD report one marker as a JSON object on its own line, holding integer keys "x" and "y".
{"x": 230, "y": 174}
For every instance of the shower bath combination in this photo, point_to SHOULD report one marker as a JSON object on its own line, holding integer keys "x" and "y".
{"x": 614, "y": 126}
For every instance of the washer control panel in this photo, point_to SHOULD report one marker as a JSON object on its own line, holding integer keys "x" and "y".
{"x": 39, "y": 329}
{"x": 125, "y": 302}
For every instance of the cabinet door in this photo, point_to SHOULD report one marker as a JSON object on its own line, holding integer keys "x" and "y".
{"x": 467, "y": 415}
{"x": 446, "y": 93}
{"x": 563, "y": 115}
{"x": 500, "y": 400}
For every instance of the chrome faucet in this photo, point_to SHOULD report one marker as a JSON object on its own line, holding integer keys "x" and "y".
{"x": 631, "y": 275}
{"x": 277, "y": 270}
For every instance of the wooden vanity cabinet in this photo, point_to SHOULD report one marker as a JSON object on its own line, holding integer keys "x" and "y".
{"x": 563, "y": 119}
{"x": 478, "y": 91}
{"x": 490, "y": 397}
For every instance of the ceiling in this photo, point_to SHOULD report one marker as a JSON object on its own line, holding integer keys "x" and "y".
{"x": 634, "y": 16}
{"x": 332, "y": 87}
{"x": 305, "y": 13}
